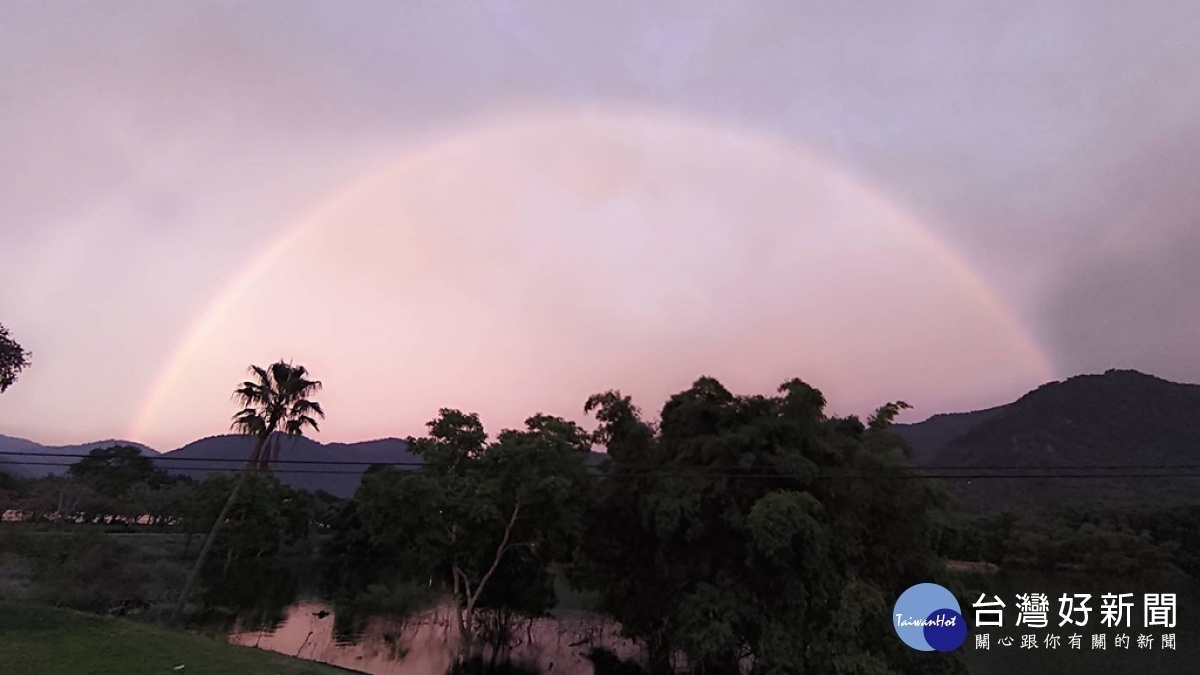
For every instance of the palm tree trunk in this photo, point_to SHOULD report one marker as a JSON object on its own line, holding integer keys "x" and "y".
{"x": 212, "y": 535}
{"x": 207, "y": 547}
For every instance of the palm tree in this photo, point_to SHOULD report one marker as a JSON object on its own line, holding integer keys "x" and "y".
{"x": 274, "y": 402}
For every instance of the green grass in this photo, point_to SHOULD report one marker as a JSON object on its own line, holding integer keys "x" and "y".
{"x": 47, "y": 641}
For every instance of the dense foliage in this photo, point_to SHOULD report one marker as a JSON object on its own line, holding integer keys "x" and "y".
{"x": 728, "y": 534}
{"x": 737, "y": 532}
{"x": 114, "y": 484}
{"x": 128, "y": 551}
{"x": 1099, "y": 544}
{"x": 481, "y": 522}
{"x": 13, "y": 359}
{"x": 115, "y": 470}
{"x": 748, "y": 531}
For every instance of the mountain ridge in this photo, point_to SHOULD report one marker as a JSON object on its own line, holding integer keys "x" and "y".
{"x": 304, "y": 458}
{"x": 306, "y": 462}
{"x": 25, "y": 466}
{"x": 1119, "y": 418}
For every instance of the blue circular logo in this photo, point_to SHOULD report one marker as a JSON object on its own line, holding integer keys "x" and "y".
{"x": 927, "y": 617}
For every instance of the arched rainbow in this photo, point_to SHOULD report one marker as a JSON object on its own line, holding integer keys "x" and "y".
{"x": 172, "y": 372}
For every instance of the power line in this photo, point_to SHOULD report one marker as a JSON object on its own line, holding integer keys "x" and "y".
{"x": 169, "y": 458}
{"x": 911, "y": 474}
{"x": 368, "y": 463}
{"x": 203, "y": 468}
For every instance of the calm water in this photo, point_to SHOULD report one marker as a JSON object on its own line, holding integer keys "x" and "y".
{"x": 424, "y": 644}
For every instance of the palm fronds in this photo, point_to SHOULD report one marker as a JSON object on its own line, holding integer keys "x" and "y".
{"x": 275, "y": 401}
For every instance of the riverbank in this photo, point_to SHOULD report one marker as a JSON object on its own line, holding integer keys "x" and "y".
{"x": 38, "y": 640}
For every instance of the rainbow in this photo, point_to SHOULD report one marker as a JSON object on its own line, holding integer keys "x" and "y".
{"x": 171, "y": 374}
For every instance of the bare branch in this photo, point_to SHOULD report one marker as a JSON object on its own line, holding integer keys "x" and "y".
{"x": 512, "y": 521}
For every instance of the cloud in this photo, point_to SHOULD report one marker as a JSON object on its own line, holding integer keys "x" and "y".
{"x": 1128, "y": 297}
{"x": 150, "y": 150}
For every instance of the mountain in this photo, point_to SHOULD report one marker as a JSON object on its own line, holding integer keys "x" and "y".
{"x": 1122, "y": 419}
{"x": 34, "y": 459}
{"x": 929, "y": 437}
{"x": 304, "y": 463}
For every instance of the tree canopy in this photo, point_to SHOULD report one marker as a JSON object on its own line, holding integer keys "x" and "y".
{"x": 115, "y": 470}
{"x": 749, "y": 530}
{"x": 13, "y": 359}
{"x": 734, "y": 532}
{"x": 277, "y": 399}
{"x": 480, "y": 521}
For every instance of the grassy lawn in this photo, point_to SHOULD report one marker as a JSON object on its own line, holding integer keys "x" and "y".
{"x": 49, "y": 641}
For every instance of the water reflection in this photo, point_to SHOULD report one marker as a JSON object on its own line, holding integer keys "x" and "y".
{"x": 424, "y": 643}
{"x": 252, "y": 594}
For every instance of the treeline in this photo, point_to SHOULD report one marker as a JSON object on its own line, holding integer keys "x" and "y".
{"x": 119, "y": 485}
{"x": 734, "y": 532}
{"x": 1100, "y": 543}
{"x": 115, "y": 484}
{"x": 55, "y": 548}
{"x": 728, "y": 533}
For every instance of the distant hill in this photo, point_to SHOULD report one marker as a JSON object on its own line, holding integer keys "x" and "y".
{"x": 1122, "y": 418}
{"x": 929, "y": 437}
{"x": 335, "y": 468}
{"x": 306, "y": 463}
{"x": 47, "y": 460}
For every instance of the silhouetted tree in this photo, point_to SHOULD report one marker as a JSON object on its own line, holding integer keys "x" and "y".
{"x": 275, "y": 402}
{"x": 13, "y": 359}
{"x": 114, "y": 470}
{"x": 482, "y": 522}
{"x": 758, "y": 530}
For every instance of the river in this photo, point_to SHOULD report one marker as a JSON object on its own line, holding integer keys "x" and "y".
{"x": 424, "y": 644}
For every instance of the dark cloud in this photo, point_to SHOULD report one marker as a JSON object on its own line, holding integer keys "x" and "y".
{"x": 1131, "y": 297}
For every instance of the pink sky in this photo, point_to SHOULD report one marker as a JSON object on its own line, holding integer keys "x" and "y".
{"x": 510, "y": 208}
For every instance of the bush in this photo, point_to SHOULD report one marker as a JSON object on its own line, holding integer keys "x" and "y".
{"x": 91, "y": 571}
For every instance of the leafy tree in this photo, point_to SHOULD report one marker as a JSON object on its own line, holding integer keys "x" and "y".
{"x": 10, "y": 491}
{"x": 482, "y": 522}
{"x": 276, "y": 401}
{"x": 1100, "y": 544}
{"x": 57, "y": 498}
{"x": 114, "y": 470}
{"x": 245, "y": 571}
{"x": 13, "y": 359}
{"x": 166, "y": 504}
{"x": 758, "y": 530}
